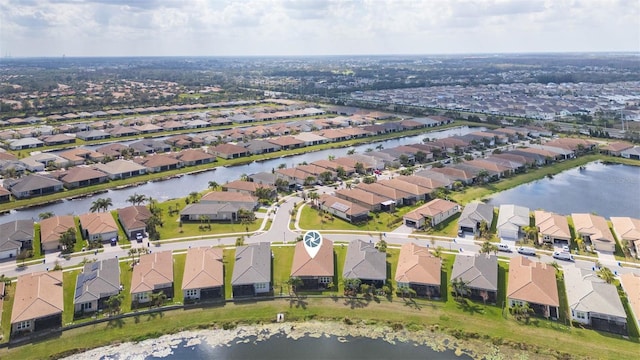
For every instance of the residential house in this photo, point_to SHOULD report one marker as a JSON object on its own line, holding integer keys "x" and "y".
{"x": 98, "y": 227}
{"x": 264, "y": 178}
{"x": 473, "y": 215}
{"x": 343, "y": 209}
{"x": 249, "y": 188}
{"x": 415, "y": 191}
{"x": 295, "y": 176}
{"x": 32, "y": 185}
{"x": 479, "y": 273}
{"x": 352, "y": 162}
{"x": 627, "y": 231}
{"x": 37, "y": 302}
{"x": 310, "y": 139}
{"x": 431, "y": 214}
{"x": 159, "y": 162}
{"x": 82, "y": 176}
{"x": 121, "y": 169}
{"x": 97, "y": 282}
{"x": 51, "y": 230}
{"x": 424, "y": 182}
{"x": 533, "y": 283}
{"x": 633, "y": 153}
{"x": 229, "y": 151}
{"x": 192, "y": 157}
{"x": 552, "y": 228}
{"x": 224, "y": 212}
{"x": 256, "y": 147}
{"x": 25, "y": 143}
{"x": 511, "y": 221}
{"x": 615, "y": 148}
{"x": 630, "y": 283}
{"x": 15, "y": 236}
{"x": 58, "y": 139}
{"x": 203, "y": 277}
{"x": 594, "y": 229}
{"x": 41, "y": 161}
{"x": 419, "y": 270}
{"x": 390, "y": 193}
{"x": 446, "y": 180}
{"x": 153, "y": 274}
{"x": 134, "y": 220}
{"x": 365, "y": 262}
{"x": 315, "y": 272}
{"x": 335, "y": 167}
{"x": 287, "y": 142}
{"x": 464, "y": 176}
{"x": 245, "y": 201}
{"x": 91, "y": 135}
{"x": 593, "y": 302}
{"x": 78, "y": 156}
{"x": 150, "y": 146}
{"x": 5, "y": 195}
{"x": 252, "y": 270}
{"x": 366, "y": 199}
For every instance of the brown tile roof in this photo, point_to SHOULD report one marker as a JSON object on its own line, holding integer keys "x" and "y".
{"x": 157, "y": 160}
{"x": 332, "y": 165}
{"x": 631, "y": 284}
{"x": 314, "y": 170}
{"x": 37, "y": 295}
{"x": 98, "y": 223}
{"x": 421, "y": 181}
{"x": 431, "y": 209}
{"x": 203, "y": 268}
{"x": 134, "y": 217}
{"x": 552, "y": 224}
{"x": 384, "y": 191}
{"x": 77, "y": 174}
{"x": 455, "y": 173}
{"x": 228, "y": 149}
{"x": 225, "y": 196}
{"x": 352, "y": 209}
{"x": 193, "y": 155}
{"x": 294, "y": 173}
{"x": 486, "y": 165}
{"x": 617, "y": 146}
{"x": 532, "y": 281}
{"x": 152, "y": 270}
{"x": 407, "y": 187}
{"x": 320, "y": 265}
{"x": 361, "y": 196}
{"x": 348, "y": 161}
{"x": 52, "y": 228}
{"x": 626, "y": 228}
{"x": 417, "y": 265}
{"x": 285, "y": 141}
{"x": 246, "y": 186}
{"x": 597, "y": 228}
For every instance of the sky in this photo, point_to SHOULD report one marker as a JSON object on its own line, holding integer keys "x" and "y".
{"x": 53, "y": 28}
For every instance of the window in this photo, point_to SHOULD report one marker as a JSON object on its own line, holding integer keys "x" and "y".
{"x": 86, "y": 306}
{"x": 191, "y": 293}
{"x": 325, "y": 279}
{"x": 143, "y": 296}
{"x": 23, "y": 325}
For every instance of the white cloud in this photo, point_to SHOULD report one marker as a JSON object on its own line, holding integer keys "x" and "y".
{"x": 299, "y": 27}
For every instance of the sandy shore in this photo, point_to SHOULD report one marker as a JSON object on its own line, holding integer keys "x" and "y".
{"x": 164, "y": 345}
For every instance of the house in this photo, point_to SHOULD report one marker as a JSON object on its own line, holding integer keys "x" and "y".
{"x": 265, "y": 178}
{"x": 98, "y": 227}
{"x": 627, "y": 231}
{"x": 150, "y": 146}
{"x": 225, "y": 212}
{"x": 15, "y": 236}
{"x": 630, "y": 282}
{"x": 431, "y": 214}
{"x": 203, "y": 277}
{"x": 287, "y": 142}
{"x": 159, "y": 162}
{"x": 423, "y": 182}
{"x": 5, "y": 195}
{"x": 315, "y": 272}
{"x": 616, "y": 148}
{"x": 249, "y": 188}
{"x": 252, "y": 270}
{"x": 633, "y": 153}
{"x": 335, "y": 167}
{"x": 256, "y": 147}
{"x": 419, "y": 270}
{"x": 97, "y": 282}
{"x": 193, "y": 157}
{"x": 33, "y": 185}
{"x": 473, "y": 215}
{"x": 91, "y": 135}
{"x": 121, "y": 169}
{"x": 593, "y": 302}
{"x": 343, "y": 209}
{"x": 25, "y": 143}
{"x": 81, "y": 155}
{"x": 479, "y": 273}
{"x": 533, "y": 283}
{"x": 552, "y": 228}
{"x": 310, "y": 139}
{"x": 396, "y": 195}
{"x": 51, "y": 230}
{"x": 152, "y": 275}
{"x": 38, "y": 302}
{"x": 245, "y": 201}
{"x": 366, "y": 263}
{"x": 229, "y": 151}
{"x": 41, "y": 161}
{"x": 464, "y": 176}
{"x": 58, "y": 139}
{"x": 82, "y": 176}
{"x": 511, "y": 220}
{"x": 295, "y": 176}
{"x": 134, "y": 220}
{"x": 594, "y": 229}
{"x": 368, "y": 200}
{"x": 415, "y": 191}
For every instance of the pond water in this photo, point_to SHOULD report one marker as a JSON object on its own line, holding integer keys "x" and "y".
{"x": 605, "y": 189}
{"x": 182, "y": 186}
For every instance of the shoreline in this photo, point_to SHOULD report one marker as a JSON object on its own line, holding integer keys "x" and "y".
{"x": 436, "y": 340}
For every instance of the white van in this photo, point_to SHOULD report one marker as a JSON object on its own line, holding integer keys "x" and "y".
{"x": 526, "y": 251}
{"x": 563, "y": 256}
{"x": 504, "y": 247}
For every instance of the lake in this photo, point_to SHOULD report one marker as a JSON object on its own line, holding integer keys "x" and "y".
{"x": 607, "y": 190}
{"x": 182, "y": 186}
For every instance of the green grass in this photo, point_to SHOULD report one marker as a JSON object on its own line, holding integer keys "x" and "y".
{"x": 80, "y": 242}
{"x": 7, "y": 307}
{"x": 69, "y": 286}
{"x": 126, "y": 272}
{"x": 228, "y": 258}
{"x": 122, "y": 237}
{"x": 37, "y": 244}
{"x": 309, "y": 219}
{"x": 283, "y": 258}
{"x": 448, "y": 227}
{"x": 178, "y": 271}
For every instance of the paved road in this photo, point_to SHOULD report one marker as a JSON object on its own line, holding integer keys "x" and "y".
{"x": 280, "y": 232}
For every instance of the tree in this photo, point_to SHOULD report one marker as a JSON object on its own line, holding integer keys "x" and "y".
{"x": 137, "y": 199}
{"x": 379, "y": 147}
{"x": 488, "y": 247}
{"x": 193, "y": 197}
{"x": 114, "y": 302}
{"x": 101, "y": 204}
{"x": 351, "y": 151}
{"x": 314, "y": 196}
{"x": 294, "y": 282}
{"x": 263, "y": 193}
{"x": 310, "y": 180}
{"x": 331, "y": 157}
{"x": 359, "y": 168}
{"x": 437, "y": 252}
{"x": 404, "y": 160}
{"x": 606, "y": 274}
{"x": 369, "y": 180}
{"x": 483, "y": 176}
{"x": 246, "y": 218}
{"x": 325, "y": 176}
{"x": 352, "y": 286}
{"x": 158, "y": 298}
{"x": 68, "y": 240}
{"x": 46, "y": 215}
{"x": 381, "y": 246}
{"x": 240, "y": 241}
{"x": 342, "y": 174}
{"x": 460, "y": 287}
{"x": 522, "y": 312}
{"x": 282, "y": 184}
{"x": 531, "y": 232}
{"x": 213, "y": 185}
{"x": 483, "y": 229}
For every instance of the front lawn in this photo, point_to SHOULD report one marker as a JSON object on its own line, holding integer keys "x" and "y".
{"x": 310, "y": 219}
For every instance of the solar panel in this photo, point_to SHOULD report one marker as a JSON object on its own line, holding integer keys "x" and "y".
{"x": 340, "y": 207}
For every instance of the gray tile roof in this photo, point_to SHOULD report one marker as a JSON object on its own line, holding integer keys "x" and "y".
{"x": 33, "y": 182}
{"x": 97, "y": 280}
{"x": 474, "y": 213}
{"x": 253, "y": 264}
{"x": 478, "y": 272}
{"x": 12, "y": 234}
{"x": 588, "y": 293}
{"x": 364, "y": 261}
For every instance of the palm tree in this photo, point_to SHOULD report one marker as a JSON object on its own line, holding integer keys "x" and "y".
{"x": 213, "y": 185}
{"x": 294, "y": 282}
{"x": 351, "y": 151}
{"x": 46, "y": 215}
{"x": 137, "y": 199}
{"x": 488, "y": 247}
{"x": 606, "y": 274}
{"x": 460, "y": 287}
{"x": 193, "y": 197}
{"x": 113, "y": 303}
{"x": 159, "y": 298}
{"x": 101, "y": 204}
{"x": 379, "y": 147}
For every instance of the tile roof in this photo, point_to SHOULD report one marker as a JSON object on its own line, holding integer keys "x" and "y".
{"x": 203, "y": 268}
{"x": 361, "y": 196}
{"x": 227, "y": 196}
{"x": 589, "y": 293}
{"x": 597, "y": 228}
{"x": 98, "y": 223}
{"x": 478, "y": 271}
{"x": 626, "y": 228}
{"x": 474, "y": 213}
{"x": 152, "y": 270}
{"x": 364, "y": 261}
{"x": 431, "y": 209}
{"x": 320, "y": 265}
{"x": 417, "y": 265}
{"x": 552, "y": 224}
{"x": 97, "y": 280}
{"x": 134, "y": 217}
{"x": 532, "y": 281}
{"x": 253, "y": 264}
{"x": 631, "y": 284}
{"x": 349, "y": 207}
{"x": 37, "y": 295}
{"x": 52, "y": 228}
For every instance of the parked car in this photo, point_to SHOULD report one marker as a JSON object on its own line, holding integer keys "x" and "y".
{"x": 139, "y": 237}
{"x": 565, "y": 248}
{"x": 504, "y": 247}
{"x": 563, "y": 256}
{"x": 526, "y": 251}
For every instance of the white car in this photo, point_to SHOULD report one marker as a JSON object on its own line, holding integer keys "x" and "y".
{"x": 563, "y": 256}
{"x": 504, "y": 247}
{"x": 526, "y": 251}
